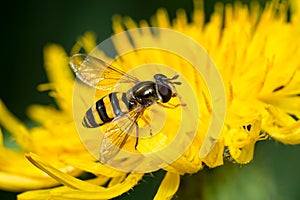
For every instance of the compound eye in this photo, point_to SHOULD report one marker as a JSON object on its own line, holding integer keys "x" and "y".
{"x": 165, "y": 92}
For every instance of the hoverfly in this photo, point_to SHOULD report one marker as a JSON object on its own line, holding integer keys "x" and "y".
{"x": 120, "y": 110}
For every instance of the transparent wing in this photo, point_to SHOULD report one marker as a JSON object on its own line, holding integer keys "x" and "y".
{"x": 118, "y": 132}
{"x": 97, "y": 73}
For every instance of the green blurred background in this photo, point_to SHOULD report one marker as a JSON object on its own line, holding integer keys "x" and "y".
{"x": 27, "y": 26}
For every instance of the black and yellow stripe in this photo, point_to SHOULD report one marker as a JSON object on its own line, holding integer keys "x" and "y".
{"x": 106, "y": 109}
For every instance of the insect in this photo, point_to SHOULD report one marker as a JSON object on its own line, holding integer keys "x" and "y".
{"x": 120, "y": 110}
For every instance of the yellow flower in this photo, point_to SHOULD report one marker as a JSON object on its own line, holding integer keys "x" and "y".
{"x": 260, "y": 74}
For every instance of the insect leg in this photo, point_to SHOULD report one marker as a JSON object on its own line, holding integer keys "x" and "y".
{"x": 137, "y": 135}
{"x": 171, "y": 106}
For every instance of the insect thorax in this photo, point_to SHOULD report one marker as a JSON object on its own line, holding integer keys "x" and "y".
{"x": 143, "y": 93}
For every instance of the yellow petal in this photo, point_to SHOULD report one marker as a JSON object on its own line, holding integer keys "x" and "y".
{"x": 185, "y": 164}
{"x": 111, "y": 192}
{"x": 60, "y": 75}
{"x": 35, "y": 195}
{"x": 162, "y": 19}
{"x": 1, "y": 137}
{"x": 29, "y": 178}
{"x": 288, "y": 134}
{"x": 242, "y": 156}
{"x": 242, "y": 136}
{"x": 82, "y": 187}
{"x": 18, "y": 130}
{"x": 46, "y": 193}
{"x": 87, "y": 42}
{"x": 60, "y": 176}
{"x": 281, "y": 126}
{"x": 215, "y": 156}
{"x": 93, "y": 167}
{"x": 41, "y": 114}
{"x": 11, "y": 161}
{"x": 116, "y": 180}
{"x": 72, "y": 194}
{"x": 16, "y": 183}
{"x": 168, "y": 186}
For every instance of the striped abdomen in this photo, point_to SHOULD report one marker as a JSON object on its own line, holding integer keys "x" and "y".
{"x": 106, "y": 109}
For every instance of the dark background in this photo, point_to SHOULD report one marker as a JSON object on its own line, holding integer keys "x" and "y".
{"x": 26, "y": 27}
